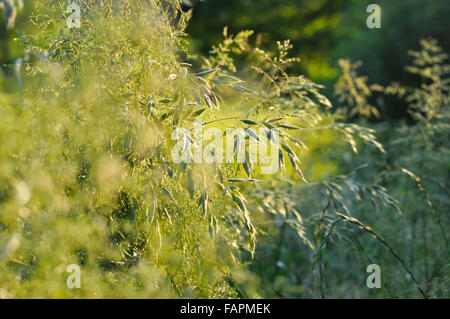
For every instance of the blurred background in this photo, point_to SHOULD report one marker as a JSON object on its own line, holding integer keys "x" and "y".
{"x": 322, "y": 31}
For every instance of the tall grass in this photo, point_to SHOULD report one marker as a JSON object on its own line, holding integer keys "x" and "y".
{"x": 87, "y": 175}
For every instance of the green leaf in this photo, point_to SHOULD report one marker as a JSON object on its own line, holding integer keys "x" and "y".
{"x": 252, "y": 133}
{"x": 287, "y": 148}
{"x": 207, "y": 72}
{"x": 289, "y": 127}
{"x": 249, "y": 122}
{"x": 198, "y": 112}
{"x": 229, "y": 78}
{"x": 238, "y": 180}
{"x": 165, "y": 101}
{"x": 242, "y": 89}
{"x": 168, "y": 193}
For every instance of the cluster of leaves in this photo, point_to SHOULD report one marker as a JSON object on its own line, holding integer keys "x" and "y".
{"x": 354, "y": 92}
{"x": 294, "y": 106}
{"x": 421, "y": 153}
{"x": 411, "y": 177}
{"x": 86, "y": 169}
{"x": 87, "y": 174}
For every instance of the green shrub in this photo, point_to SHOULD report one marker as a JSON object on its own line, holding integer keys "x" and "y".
{"x": 88, "y": 177}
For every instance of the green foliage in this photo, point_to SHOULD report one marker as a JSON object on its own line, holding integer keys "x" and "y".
{"x": 87, "y": 175}
{"x": 333, "y": 216}
{"x": 415, "y": 237}
{"x": 89, "y": 180}
{"x": 354, "y": 92}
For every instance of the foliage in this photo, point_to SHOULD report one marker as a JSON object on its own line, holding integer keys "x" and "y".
{"x": 87, "y": 174}
{"x": 354, "y": 92}
{"x": 91, "y": 181}
{"x": 402, "y": 241}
